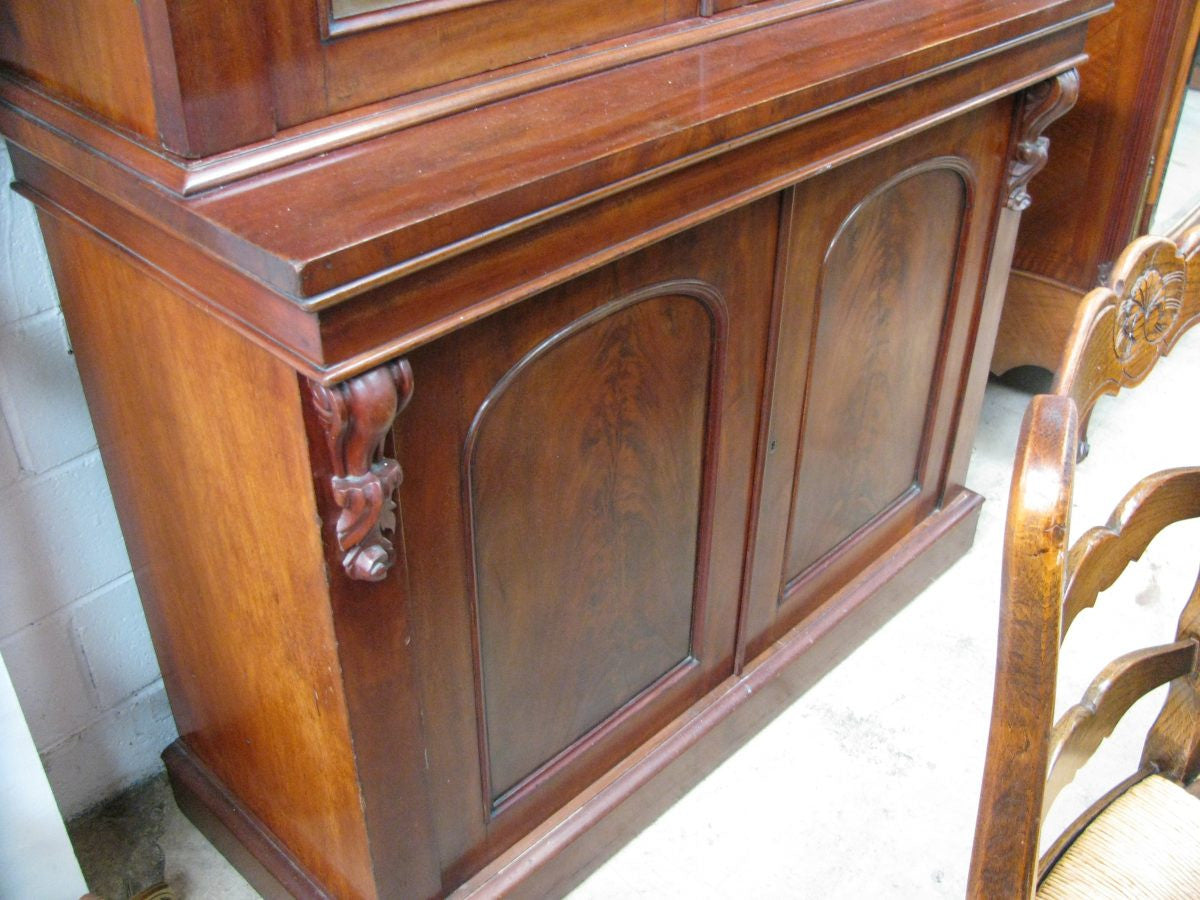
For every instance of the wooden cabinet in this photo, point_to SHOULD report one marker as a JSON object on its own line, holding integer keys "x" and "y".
{"x": 496, "y": 456}
{"x": 882, "y": 264}
{"x": 1102, "y": 182}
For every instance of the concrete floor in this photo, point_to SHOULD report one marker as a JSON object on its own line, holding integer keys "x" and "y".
{"x": 867, "y": 785}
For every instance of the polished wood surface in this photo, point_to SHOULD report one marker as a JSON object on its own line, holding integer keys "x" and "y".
{"x": 885, "y": 290}
{"x": 1121, "y": 333}
{"x": 1100, "y": 554}
{"x": 1004, "y": 856}
{"x": 1107, "y": 140}
{"x": 225, "y": 547}
{"x": 576, "y": 838}
{"x": 206, "y": 62}
{"x": 238, "y": 834}
{"x": 488, "y": 260}
{"x": 605, "y": 618}
{"x": 1081, "y": 729}
{"x": 1117, "y": 337}
{"x": 1098, "y": 190}
{"x": 902, "y": 466}
{"x": 1033, "y": 330}
{"x": 91, "y": 54}
{"x": 614, "y": 376}
{"x": 610, "y": 418}
{"x": 210, "y": 59}
{"x": 357, "y": 417}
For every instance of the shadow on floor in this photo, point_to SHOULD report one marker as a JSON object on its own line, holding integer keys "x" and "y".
{"x": 118, "y": 843}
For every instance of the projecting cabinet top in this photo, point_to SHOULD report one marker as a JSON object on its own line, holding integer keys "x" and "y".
{"x": 309, "y": 153}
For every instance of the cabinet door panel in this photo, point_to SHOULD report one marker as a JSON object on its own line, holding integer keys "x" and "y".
{"x": 584, "y": 480}
{"x": 879, "y": 309}
{"x": 886, "y": 281}
{"x": 577, "y": 481}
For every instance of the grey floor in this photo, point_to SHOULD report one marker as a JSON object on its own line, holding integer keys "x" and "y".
{"x": 866, "y": 786}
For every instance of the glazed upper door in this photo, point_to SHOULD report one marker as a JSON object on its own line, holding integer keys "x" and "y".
{"x": 232, "y": 73}
{"x": 880, "y": 303}
{"x": 576, "y": 520}
{"x": 205, "y": 77}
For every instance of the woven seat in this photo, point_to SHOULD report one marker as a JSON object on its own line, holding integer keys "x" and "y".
{"x": 1141, "y": 839}
{"x": 1145, "y": 844}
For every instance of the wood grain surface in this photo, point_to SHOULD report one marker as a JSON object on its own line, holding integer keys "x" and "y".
{"x": 690, "y": 303}
{"x": 884, "y": 297}
{"x": 584, "y": 482}
{"x": 844, "y": 478}
{"x": 607, "y": 542}
{"x": 225, "y": 547}
{"x": 1118, "y": 337}
{"x": 91, "y": 54}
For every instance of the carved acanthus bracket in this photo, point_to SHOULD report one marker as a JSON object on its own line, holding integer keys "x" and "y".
{"x": 1044, "y": 102}
{"x": 357, "y": 416}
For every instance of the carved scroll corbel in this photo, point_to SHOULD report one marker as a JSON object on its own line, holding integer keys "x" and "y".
{"x": 357, "y": 416}
{"x": 1044, "y": 102}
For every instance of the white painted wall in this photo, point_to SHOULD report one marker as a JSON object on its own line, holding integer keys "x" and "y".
{"x": 72, "y": 632}
{"x": 36, "y": 858}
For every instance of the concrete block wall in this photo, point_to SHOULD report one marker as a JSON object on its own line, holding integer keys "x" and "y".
{"x": 72, "y": 632}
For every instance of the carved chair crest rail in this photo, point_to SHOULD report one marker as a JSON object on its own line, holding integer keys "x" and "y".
{"x": 1141, "y": 836}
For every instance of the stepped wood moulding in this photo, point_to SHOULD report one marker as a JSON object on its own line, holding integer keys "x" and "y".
{"x": 510, "y": 406}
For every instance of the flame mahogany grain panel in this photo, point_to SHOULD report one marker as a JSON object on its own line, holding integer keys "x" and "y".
{"x": 675, "y": 484}
{"x": 891, "y": 275}
{"x": 584, "y": 488}
{"x": 886, "y": 283}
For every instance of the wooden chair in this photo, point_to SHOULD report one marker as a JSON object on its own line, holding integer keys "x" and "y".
{"x": 1118, "y": 336}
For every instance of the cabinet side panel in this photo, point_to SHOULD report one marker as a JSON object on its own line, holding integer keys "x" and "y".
{"x": 204, "y": 444}
{"x": 92, "y": 54}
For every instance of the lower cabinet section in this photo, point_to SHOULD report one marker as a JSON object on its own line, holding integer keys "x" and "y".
{"x": 463, "y": 621}
{"x": 586, "y": 472}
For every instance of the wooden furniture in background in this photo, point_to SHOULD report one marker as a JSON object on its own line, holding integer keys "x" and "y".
{"x": 509, "y": 406}
{"x": 1102, "y": 184}
{"x": 1118, "y": 336}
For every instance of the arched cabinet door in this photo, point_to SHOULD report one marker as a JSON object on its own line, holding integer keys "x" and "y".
{"x": 620, "y": 491}
{"x": 881, "y": 301}
{"x": 576, "y": 521}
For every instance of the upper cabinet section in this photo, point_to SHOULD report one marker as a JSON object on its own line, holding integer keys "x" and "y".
{"x": 199, "y": 77}
{"x": 204, "y": 78}
{"x": 90, "y": 54}
{"x": 348, "y": 169}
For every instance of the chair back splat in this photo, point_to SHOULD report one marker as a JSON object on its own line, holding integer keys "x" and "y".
{"x": 1119, "y": 334}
